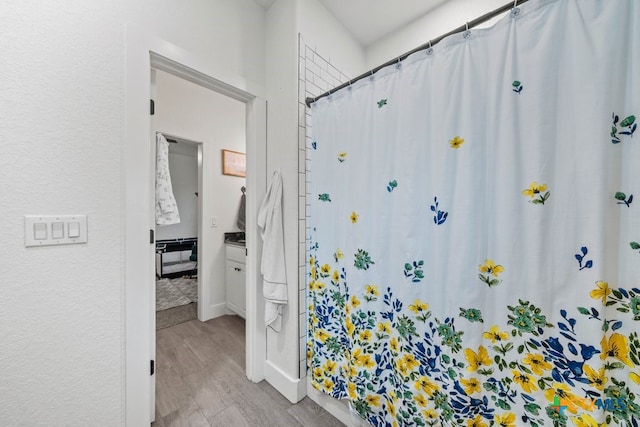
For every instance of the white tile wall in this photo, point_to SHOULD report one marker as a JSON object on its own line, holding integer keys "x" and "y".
{"x": 316, "y": 75}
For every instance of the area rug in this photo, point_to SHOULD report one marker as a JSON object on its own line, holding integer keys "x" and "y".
{"x": 175, "y": 292}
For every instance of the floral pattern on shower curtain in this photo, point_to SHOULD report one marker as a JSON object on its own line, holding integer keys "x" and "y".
{"x": 473, "y": 254}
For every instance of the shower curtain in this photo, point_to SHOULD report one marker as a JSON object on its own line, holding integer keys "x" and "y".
{"x": 473, "y": 238}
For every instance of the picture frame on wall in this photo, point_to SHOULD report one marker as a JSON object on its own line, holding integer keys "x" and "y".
{"x": 234, "y": 163}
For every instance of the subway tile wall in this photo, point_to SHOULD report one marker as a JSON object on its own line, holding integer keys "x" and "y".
{"x": 316, "y": 75}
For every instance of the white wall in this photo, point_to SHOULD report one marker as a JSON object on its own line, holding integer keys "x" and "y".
{"x": 190, "y": 111}
{"x": 281, "y": 368}
{"x": 445, "y": 18}
{"x": 323, "y": 33}
{"x": 285, "y": 19}
{"x": 183, "y": 166}
{"x": 63, "y": 115}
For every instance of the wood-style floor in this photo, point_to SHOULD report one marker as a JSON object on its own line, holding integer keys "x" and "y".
{"x": 201, "y": 381}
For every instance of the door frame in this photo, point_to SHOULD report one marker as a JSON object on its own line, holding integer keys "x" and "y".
{"x": 145, "y": 52}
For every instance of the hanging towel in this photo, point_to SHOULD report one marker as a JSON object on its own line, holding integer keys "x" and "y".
{"x": 166, "y": 206}
{"x": 273, "y": 265}
{"x": 242, "y": 212}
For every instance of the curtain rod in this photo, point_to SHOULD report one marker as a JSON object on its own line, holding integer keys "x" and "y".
{"x": 431, "y": 43}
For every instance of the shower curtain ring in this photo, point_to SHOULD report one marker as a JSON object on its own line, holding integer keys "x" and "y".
{"x": 398, "y": 62}
{"x": 515, "y": 11}
{"x": 467, "y": 33}
{"x": 429, "y": 50}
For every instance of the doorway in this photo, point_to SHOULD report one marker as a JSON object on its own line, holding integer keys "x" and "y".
{"x": 197, "y": 120}
{"x": 144, "y": 53}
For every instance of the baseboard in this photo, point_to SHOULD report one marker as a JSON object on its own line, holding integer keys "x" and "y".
{"x": 292, "y": 388}
{"x": 212, "y": 311}
{"x": 337, "y": 408}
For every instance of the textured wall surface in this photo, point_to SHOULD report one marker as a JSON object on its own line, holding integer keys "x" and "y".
{"x": 62, "y": 131}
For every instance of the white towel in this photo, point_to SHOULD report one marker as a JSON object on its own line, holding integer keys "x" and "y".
{"x": 273, "y": 265}
{"x": 166, "y": 206}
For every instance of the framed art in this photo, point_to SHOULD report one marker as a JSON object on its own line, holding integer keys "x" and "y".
{"x": 234, "y": 163}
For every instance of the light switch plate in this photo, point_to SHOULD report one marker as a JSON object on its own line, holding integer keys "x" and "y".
{"x": 49, "y": 230}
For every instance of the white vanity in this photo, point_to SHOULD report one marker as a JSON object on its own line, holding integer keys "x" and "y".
{"x": 235, "y": 277}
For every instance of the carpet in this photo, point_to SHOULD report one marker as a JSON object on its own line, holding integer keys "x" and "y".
{"x": 175, "y": 292}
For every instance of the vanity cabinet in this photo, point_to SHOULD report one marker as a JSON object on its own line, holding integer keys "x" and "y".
{"x": 236, "y": 279}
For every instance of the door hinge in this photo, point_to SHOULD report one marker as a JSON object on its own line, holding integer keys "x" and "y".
{"x": 152, "y": 109}
{"x": 153, "y": 367}
{"x": 151, "y": 237}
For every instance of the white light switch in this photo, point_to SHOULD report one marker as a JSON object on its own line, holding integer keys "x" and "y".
{"x": 46, "y": 230}
{"x": 57, "y": 230}
{"x": 40, "y": 231}
{"x": 74, "y": 229}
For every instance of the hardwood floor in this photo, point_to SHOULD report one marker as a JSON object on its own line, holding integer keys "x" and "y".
{"x": 200, "y": 381}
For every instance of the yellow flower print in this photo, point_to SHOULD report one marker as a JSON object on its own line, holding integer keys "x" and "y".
{"x": 418, "y": 306}
{"x": 596, "y": 378}
{"x": 456, "y": 142}
{"x": 410, "y": 361}
{"x": 537, "y": 190}
{"x": 391, "y": 407}
{"x": 476, "y": 422}
{"x": 314, "y": 273}
{"x": 317, "y": 372}
{"x": 477, "y": 359}
{"x": 430, "y": 414}
{"x": 338, "y": 255}
{"x": 490, "y": 267}
{"x": 354, "y": 217}
{"x": 312, "y": 261}
{"x": 537, "y": 363}
{"x": 563, "y": 392}
{"x": 584, "y": 420}
{"x": 508, "y": 419}
{"x": 384, "y": 327}
{"x": 322, "y": 335}
{"x": 394, "y": 345}
{"x": 634, "y": 377}
{"x": 534, "y": 189}
{"x": 330, "y": 367}
{"x": 420, "y": 399}
{"x": 336, "y": 276}
{"x": 351, "y": 370}
{"x": 350, "y": 326}
{"x": 373, "y": 400}
{"x": 325, "y": 270}
{"x": 526, "y": 381}
{"x": 601, "y": 291}
{"x": 359, "y": 359}
{"x": 371, "y": 290}
{"x": 354, "y": 301}
{"x": 316, "y": 285}
{"x": 426, "y": 385}
{"x": 495, "y": 334}
{"x": 471, "y": 385}
{"x": 365, "y": 335}
{"x": 327, "y": 385}
{"x": 617, "y": 347}
{"x": 352, "y": 391}
{"x": 342, "y": 156}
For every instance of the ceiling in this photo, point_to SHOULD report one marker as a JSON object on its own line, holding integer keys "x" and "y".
{"x": 370, "y": 20}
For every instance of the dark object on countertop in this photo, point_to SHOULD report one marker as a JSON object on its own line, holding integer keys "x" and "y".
{"x": 235, "y": 237}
